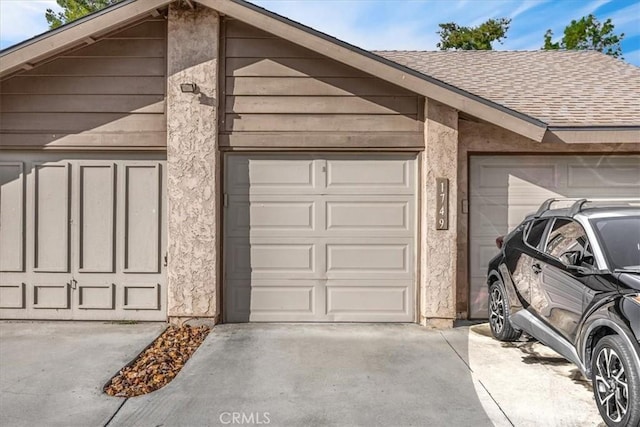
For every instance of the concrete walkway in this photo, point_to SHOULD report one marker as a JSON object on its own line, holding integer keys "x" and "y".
{"x": 295, "y": 375}
{"x": 52, "y": 373}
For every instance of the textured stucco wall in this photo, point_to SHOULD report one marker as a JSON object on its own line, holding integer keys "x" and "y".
{"x": 438, "y": 251}
{"x": 192, "y": 163}
{"x": 484, "y": 138}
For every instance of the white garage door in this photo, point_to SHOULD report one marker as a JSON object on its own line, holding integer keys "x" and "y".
{"x": 82, "y": 236}
{"x": 503, "y": 189}
{"x": 320, "y": 238}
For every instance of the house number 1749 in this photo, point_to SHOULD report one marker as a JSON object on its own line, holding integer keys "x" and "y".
{"x": 442, "y": 204}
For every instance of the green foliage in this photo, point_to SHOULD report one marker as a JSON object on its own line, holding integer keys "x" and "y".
{"x": 587, "y": 33}
{"x": 75, "y": 9}
{"x": 454, "y": 36}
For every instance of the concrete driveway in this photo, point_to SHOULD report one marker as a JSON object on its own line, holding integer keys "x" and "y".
{"x": 304, "y": 375}
{"x": 52, "y": 373}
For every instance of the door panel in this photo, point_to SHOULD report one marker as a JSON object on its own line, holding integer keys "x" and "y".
{"x": 557, "y": 297}
{"x": 141, "y": 218}
{"x": 97, "y": 217}
{"x": 51, "y": 217}
{"x": 12, "y": 198}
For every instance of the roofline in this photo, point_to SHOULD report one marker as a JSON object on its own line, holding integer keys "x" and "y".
{"x": 380, "y": 67}
{"x": 593, "y": 134}
{"x": 67, "y": 36}
{"x": 25, "y": 54}
{"x": 63, "y": 27}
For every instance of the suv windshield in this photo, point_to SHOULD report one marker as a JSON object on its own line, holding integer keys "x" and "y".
{"x": 620, "y": 240}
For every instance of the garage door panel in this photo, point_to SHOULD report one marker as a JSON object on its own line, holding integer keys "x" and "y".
{"x": 237, "y": 175}
{"x": 613, "y": 176}
{"x": 355, "y": 300}
{"x": 52, "y": 296}
{"x": 282, "y": 215}
{"x": 96, "y": 296}
{"x": 97, "y": 218}
{"x": 238, "y": 259}
{"x": 279, "y": 174}
{"x": 12, "y": 295}
{"x": 268, "y": 174}
{"x": 504, "y": 189}
{"x": 367, "y": 258}
{"x": 282, "y": 258}
{"x": 141, "y": 218}
{"x": 238, "y": 301}
{"x": 264, "y": 258}
{"x": 496, "y": 176}
{"x": 357, "y": 214}
{"x": 273, "y": 300}
{"x": 270, "y": 214}
{"x": 374, "y": 176}
{"x": 12, "y": 197}
{"x": 350, "y": 233}
{"x": 51, "y": 217}
{"x": 277, "y": 299}
{"x": 142, "y": 296}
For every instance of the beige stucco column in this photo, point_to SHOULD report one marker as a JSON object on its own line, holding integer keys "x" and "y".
{"x": 438, "y": 247}
{"x": 192, "y": 163}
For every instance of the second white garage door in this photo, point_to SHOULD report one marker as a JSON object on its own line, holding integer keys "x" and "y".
{"x": 504, "y": 189}
{"x": 319, "y": 238}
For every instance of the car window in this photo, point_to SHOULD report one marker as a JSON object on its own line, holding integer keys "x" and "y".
{"x": 567, "y": 237}
{"x": 620, "y": 240}
{"x": 535, "y": 232}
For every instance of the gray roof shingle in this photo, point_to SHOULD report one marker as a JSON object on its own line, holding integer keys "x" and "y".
{"x": 560, "y": 88}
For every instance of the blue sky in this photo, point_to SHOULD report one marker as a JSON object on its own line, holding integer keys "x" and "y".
{"x": 398, "y": 24}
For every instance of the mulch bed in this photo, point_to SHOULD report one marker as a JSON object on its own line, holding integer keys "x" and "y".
{"x": 159, "y": 363}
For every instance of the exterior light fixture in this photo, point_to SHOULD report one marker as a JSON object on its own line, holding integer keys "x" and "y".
{"x": 188, "y": 87}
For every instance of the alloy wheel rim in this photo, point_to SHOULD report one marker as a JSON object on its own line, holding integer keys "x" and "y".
{"x": 611, "y": 387}
{"x": 496, "y": 310}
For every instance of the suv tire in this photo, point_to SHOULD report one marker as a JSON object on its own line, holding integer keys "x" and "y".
{"x": 499, "y": 310}
{"x": 616, "y": 382}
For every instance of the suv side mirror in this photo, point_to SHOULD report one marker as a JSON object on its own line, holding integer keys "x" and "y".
{"x": 571, "y": 258}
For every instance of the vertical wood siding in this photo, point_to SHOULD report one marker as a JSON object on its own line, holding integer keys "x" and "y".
{"x": 110, "y": 94}
{"x": 276, "y": 93}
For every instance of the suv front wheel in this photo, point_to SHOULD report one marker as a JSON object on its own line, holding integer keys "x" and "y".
{"x": 499, "y": 314}
{"x": 616, "y": 382}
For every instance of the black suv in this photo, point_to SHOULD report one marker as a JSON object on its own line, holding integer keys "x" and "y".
{"x": 570, "y": 277}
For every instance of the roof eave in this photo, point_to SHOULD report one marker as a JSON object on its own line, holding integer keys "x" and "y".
{"x": 41, "y": 47}
{"x": 593, "y": 134}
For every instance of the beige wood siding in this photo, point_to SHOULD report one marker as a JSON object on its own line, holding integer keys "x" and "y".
{"x": 274, "y": 89}
{"x": 110, "y": 93}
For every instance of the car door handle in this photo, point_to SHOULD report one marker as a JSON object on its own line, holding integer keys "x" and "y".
{"x": 536, "y": 268}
